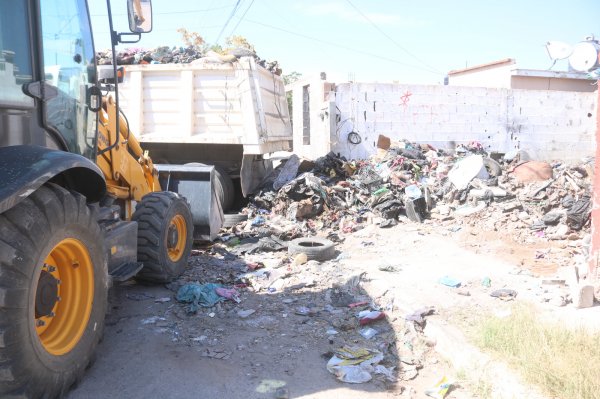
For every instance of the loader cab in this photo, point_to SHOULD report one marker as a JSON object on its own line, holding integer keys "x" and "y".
{"x": 48, "y": 76}
{"x": 47, "y": 70}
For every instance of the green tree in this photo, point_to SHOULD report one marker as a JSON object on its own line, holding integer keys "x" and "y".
{"x": 291, "y": 77}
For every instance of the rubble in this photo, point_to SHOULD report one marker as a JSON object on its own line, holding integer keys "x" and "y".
{"x": 528, "y": 199}
{"x": 533, "y": 171}
{"x": 182, "y": 55}
{"x": 440, "y": 389}
{"x": 583, "y": 296}
{"x": 354, "y": 364}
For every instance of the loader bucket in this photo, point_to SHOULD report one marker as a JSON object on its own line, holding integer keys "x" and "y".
{"x": 196, "y": 184}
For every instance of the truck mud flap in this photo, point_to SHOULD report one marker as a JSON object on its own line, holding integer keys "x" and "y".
{"x": 196, "y": 184}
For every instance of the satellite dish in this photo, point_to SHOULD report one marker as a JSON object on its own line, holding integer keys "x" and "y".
{"x": 585, "y": 56}
{"x": 558, "y": 50}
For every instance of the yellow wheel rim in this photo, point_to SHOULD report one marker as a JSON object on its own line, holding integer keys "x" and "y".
{"x": 66, "y": 286}
{"x": 176, "y": 238}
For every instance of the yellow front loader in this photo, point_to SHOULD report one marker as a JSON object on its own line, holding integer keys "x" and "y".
{"x": 81, "y": 204}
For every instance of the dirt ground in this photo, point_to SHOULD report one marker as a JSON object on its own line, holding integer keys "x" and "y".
{"x": 154, "y": 348}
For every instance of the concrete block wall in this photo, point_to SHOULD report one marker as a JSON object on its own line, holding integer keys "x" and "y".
{"x": 548, "y": 124}
{"x": 320, "y": 122}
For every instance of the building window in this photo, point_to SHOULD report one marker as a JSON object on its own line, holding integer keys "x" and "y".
{"x": 306, "y": 115}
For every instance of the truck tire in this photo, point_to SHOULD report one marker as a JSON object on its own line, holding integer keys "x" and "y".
{"x": 165, "y": 236}
{"x": 223, "y": 185}
{"x": 54, "y": 293}
{"x": 232, "y": 219}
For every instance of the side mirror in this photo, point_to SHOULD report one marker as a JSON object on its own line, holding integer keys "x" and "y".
{"x": 140, "y": 15}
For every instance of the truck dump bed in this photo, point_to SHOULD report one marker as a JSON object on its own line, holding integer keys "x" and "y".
{"x": 240, "y": 103}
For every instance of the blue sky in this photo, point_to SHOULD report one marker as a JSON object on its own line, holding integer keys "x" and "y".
{"x": 373, "y": 40}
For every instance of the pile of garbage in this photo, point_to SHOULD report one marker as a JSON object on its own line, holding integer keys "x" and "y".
{"x": 546, "y": 200}
{"x": 182, "y": 55}
{"x": 419, "y": 182}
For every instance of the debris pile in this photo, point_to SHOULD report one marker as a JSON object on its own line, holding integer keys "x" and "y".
{"x": 182, "y": 55}
{"x": 532, "y": 199}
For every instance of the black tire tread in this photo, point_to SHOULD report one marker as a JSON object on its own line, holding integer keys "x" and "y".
{"x": 33, "y": 219}
{"x": 324, "y": 251}
{"x": 232, "y": 219}
{"x": 223, "y": 185}
{"x": 150, "y": 215}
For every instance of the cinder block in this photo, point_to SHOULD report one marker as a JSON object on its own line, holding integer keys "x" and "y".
{"x": 583, "y": 296}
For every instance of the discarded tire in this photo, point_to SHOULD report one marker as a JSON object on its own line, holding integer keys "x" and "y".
{"x": 493, "y": 167}
{"x": 231, "y": 219}
{"x": 315, "y": 248}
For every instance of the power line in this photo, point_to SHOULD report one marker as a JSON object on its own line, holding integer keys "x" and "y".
{"x": 235, "y": 8}
{"x": 390, "y": 38}
{"x": 273, "y": 10}
{"x": 241, "y": 18}
{"x": 171, "y": 12}
{"x": 343, "y": 47}
{"x": 201, "y": 20}
{"x": 193, "y": 11}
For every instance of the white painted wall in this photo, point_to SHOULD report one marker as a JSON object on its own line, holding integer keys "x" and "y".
{"x": 548, "y": 124}
{"x": 487, "y": 76}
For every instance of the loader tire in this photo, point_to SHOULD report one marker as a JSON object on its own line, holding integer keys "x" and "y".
{"x": 53, "y": 293}
{"x": 165, "y": 236}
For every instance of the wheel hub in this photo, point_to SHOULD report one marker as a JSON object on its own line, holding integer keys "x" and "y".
{"x": 172, "y": 236}
{"x": 176, "y": 234}
{"x": 46, "y": 295}
{"x": 64, "y": 296}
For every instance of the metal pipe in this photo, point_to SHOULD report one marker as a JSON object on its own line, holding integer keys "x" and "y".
{"x": 114, "y": 39}
{"x": 593, "y": 272}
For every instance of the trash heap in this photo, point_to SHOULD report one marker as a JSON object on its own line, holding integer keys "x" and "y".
{"x": 535, "y": 199}
{"x": 465, "y": 186}
{"x": 182, "y": 55}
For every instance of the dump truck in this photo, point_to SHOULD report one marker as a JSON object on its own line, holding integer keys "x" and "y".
{"x": 81, "y": 202}
{"x": 231, "y": 115}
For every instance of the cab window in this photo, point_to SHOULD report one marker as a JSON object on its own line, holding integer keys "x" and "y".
{"x": 68, "y": 65}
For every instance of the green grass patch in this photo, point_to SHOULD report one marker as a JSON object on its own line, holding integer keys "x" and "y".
{"x": 563, "y": 362}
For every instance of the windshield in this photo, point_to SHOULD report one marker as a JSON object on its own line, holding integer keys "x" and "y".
{"x": 15, "y": 54}
{"x": 69, "y": 65}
